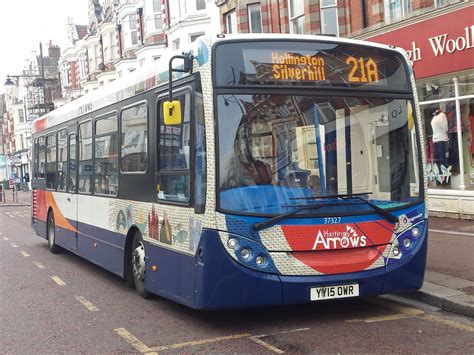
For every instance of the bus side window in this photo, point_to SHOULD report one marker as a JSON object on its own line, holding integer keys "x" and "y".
{"x": 51, "y": 161}
{"x": 72, "y": 164}
{"x": 35, "y": 158}
{"x": 134, "y": 140}
{"x": 200, "y": 182}
{"x": 174, "y": 154}
{"x": 85, "y": 157}
{"x": 106, "y": 156}
{"x": 41, "y": 158}
{"x": 62, "y": 160}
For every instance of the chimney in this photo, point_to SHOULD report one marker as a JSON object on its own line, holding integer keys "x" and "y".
{"x": 53, "y": 51}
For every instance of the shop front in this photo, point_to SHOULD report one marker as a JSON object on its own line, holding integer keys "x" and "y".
{"x": 441, "y": 48}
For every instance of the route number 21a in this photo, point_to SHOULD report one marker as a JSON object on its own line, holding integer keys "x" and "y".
{"x": 363, "y": 70}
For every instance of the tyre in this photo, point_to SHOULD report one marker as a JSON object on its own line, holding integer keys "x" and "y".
{"x": 51, "y": 233}
{"x": 138, "y": 266}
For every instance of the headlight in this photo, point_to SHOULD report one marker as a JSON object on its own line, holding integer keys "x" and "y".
{"x": 245, "y": 253}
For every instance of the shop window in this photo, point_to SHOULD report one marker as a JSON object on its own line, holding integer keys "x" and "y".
{"x": 106, "y": 156}
{"x": 134, "y": 140}
{"x": 51, "y": 161}
{"x": 62, "y": 160}
{"x": 296, "y": 16}
{"x": 329, "y": 21}
{"x": 174, "y": 155}
{"x": 255, "y": 18}
{"x": 72, "y": 164}
{"x": 85, "y": 158}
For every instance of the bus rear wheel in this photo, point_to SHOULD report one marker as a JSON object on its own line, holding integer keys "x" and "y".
{"x": 51, "y": 233}
{"x": 138, "y": 266}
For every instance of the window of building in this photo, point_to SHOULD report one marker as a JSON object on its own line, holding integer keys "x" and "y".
{"x": 51, "y": 161}
{"x": 71, "y": 173}
{"x": 200, "y": 4}
{"x": 230, "y": 22}
{"x": 106, "y": 156}
{"x": 255, "y": 18}
{"x": 157, "y": 15}
{"x": 440, "y": 3}
{"x": 174, "y": 155}
{"x": 329, "y": 21}
{"x": 113, "y": 45}
{"x": 130, "y": 35}
{"x": 195, "y": 36}
{"x": 21, "y": 116}
{"x": 175, "y": 44}
{"x": 62, "y": 160}
{"x": 395, "y": 10}
{"x": 85, "y": 158}
{"x": 134, "y": 140}
{"x": 296, "y": 16}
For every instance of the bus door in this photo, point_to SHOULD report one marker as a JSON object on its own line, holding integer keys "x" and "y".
{"x": 72, "y": 189}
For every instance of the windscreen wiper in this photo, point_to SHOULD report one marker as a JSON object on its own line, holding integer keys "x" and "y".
{"x": 269, "y": 222}
{"x": 390, "y": 216}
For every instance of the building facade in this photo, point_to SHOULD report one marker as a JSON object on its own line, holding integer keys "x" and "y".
{"x": 439, "y": 38}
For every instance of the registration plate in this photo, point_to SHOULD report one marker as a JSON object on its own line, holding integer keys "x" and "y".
{"x": 331, "y": 292}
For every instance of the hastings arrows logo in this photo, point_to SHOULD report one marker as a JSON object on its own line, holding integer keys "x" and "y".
{"x": 348, "y": 238}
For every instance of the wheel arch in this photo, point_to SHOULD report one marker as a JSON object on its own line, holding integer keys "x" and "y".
{"x": 128, "y": 249}
{"x": 50, "y": 211}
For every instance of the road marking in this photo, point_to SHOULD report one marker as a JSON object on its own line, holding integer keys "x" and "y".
{"x": 39, "y": 265}
{"x": 449, "y": 323}
{"x": 20, "y": 215}
{"x": 58, "y": 280}
{"x": 257, "y": 340}
{"x": 88, "y": 304}
{"x": 25, "y": 254}
{"x": 133, "y": 341}
{"x": 5, "y": 238}
{"x": 452, "y": 232}
{"x": 403, "y": 312}
{"x": 14, "y": 245}
{"x": 200, "y": 342}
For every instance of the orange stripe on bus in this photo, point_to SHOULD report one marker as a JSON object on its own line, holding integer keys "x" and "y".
{"x": 59, "y": 218}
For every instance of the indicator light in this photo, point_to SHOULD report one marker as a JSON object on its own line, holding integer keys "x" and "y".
{"x": 406, "y": 242}
{"x": 259, "y": 260}
{"x": 396, "y": 251}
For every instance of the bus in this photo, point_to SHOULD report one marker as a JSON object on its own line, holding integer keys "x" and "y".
{"x": 249, "y": 171}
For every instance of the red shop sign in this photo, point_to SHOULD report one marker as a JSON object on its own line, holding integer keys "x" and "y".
{"x": 439, "y": 45}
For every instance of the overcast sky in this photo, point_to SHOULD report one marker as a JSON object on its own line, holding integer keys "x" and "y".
{"x": 26, "y": 23}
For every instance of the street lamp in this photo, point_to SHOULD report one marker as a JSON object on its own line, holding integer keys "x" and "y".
{"x": 9, "y": 83}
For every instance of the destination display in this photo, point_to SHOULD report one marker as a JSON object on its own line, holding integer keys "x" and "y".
{"x": 309, "y": 63}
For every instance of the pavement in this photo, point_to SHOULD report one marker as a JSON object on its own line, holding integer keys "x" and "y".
{"x": 449, "y": 276}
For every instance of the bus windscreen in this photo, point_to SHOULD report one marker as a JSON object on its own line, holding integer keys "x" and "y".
{"x": 309, "y": 63}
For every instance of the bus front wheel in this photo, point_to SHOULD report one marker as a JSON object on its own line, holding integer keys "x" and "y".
{"x": 138, "y": 266}
{"x": 53, "y": 247}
